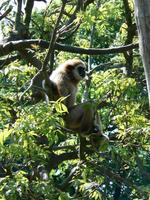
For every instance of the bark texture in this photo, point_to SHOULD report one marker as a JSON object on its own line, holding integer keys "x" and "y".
{"x": 142, "y": 15}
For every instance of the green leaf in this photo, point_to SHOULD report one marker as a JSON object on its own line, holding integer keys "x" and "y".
{"x": 4, "y": 135}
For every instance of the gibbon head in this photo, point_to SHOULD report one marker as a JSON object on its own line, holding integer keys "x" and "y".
{"x": 75, "y": 69}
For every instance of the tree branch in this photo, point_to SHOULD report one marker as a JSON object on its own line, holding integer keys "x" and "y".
{"x": 131, "y": 31}
{"x": 22, "y": 44}
{"x": 63, "y": 186}
{"x": 94, "y": 51}
{"x": 6, "y": 13}
{"x": 18, "y": 16}
{"x": 70, "y": 32}
{"x": 30, "y": 57}
{"x": 114, "y": 176}
{"x": 8, "y": 60}
{"x": 28, "y": 12}
{"x": 50, "y": 54}
{"x": 55, "y": 160}
{"x": 105, "y": 66}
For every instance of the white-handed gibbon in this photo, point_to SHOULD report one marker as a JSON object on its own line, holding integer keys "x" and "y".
{"x": 64, "y": 80}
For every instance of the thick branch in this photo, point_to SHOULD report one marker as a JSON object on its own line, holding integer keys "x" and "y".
{"x": 22, "y": 44}
{"x": 18, "y": 15}
{"x": 55, "y": 160}
{"x": 127, "y": 11}
{"x": 131, "y": 30}
{"x": 28, "y": 11}
{"x": 95, "y": 51}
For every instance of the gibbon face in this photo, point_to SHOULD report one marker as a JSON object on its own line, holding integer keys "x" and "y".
{"x": 73, "y": 70}
{"x": 79, "y": 71}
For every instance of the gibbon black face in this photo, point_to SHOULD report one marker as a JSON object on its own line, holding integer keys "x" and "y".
{"x": 76, "y": 69}
{"x": 81, "y": 71}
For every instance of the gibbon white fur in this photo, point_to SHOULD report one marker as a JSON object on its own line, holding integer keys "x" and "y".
{"x": 64, "y": 80}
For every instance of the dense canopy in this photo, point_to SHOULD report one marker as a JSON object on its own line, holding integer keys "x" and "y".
{"x": 39, "y": 157}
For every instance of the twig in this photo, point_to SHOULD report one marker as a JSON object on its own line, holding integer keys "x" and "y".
{"x": 103, "y": 66}
{"x": 39, "y": 75}
{"x": 65, "y": 29}
{"x": 66, "y": 182}
{"x": 50, "y": 53}
{"x": 71, "y": 32}
{"x": 6, "y": 13}
{"x": 8, "y": 60}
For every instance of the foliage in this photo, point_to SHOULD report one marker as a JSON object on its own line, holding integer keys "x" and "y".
{"x": 22, "y": 152}
{"x": 39, "y": 157}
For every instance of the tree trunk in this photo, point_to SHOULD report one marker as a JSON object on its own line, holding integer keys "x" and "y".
{"x": 142, "y": 14}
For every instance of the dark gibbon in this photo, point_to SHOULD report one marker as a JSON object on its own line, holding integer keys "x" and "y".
{"x": 64, "y": 80}
{"x": 84, "y": 119}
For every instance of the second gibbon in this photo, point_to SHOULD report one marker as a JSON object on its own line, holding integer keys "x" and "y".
{"x": 84, "y": 119}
